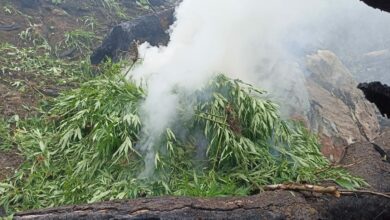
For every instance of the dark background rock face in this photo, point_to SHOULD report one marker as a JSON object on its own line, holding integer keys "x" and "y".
{"x": 381, "y": 4}
{"x": 379, "y": 94}
{"x": 150, "y": 28}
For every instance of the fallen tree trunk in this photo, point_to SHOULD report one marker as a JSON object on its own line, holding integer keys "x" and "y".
{"x": 268, "y": 205}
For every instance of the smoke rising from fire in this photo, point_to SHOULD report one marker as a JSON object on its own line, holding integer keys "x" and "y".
{"x": 262, "y": 42}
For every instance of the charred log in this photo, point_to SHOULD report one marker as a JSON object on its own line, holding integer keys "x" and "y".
{"x": 150, "y": 28}
{"x": 380, "y": 4}
{"x": 268, "y": 205}
{"x": 379, "y": 94}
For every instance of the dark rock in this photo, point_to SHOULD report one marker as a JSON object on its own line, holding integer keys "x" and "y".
{"x": 357, "y": 207}
{"x": 149, "y": 28}
{"x": 339, "y": 112}
{"x": 69, "y": 53}
{"x": 50, "y": 92}
{"x": 381, "y": 4}
{"x": 379, "y": 94}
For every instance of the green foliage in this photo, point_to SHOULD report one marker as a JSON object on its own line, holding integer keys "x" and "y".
{"x": 144, "y": 4}
{"x": 90, "y": 22}
{"x": 5, "y": 136}
{"x": 31, "y": 34}
{"x": 38, "y": 61}
{"x": 81, "y": 40}
{"x": 86, "y": 149}
{"x": 8, "y": 9}
{"x": 114, "y": 7}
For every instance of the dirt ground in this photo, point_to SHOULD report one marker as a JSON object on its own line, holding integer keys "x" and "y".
{"x": 9, "y": 161}
{"x": 367, "y": 162}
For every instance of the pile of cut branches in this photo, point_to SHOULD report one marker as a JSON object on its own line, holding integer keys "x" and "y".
{"x": 85, "y": 149}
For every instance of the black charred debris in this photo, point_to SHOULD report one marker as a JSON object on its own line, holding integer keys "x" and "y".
{"x": 379, "y": 94}
{"x": 380, "y": 4}
{"x": 151, "y": 28}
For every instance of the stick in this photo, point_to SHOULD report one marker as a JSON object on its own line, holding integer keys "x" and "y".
{"x": 305, "y": 187}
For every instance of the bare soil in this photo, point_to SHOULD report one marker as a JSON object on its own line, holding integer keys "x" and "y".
{"x": 9, "y": 162}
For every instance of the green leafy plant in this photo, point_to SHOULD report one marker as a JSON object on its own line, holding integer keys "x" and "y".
{"x": 30, "y": 34}
{"x": 8, "y": 9}
{"x": 114, "y": 7}
{"x": 90, "y": 22}
{"x": 79, "y": 39}
{"x": 87, "y": 148}
{"x": 5, "y": 135}
{"x": 144, "y": 4}
{"x": 38, "y": 60}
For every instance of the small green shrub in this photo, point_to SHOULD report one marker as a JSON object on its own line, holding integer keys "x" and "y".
{"x": 81, "y": 40}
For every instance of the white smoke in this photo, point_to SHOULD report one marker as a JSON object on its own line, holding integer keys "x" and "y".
{"x": 258, "y": 41}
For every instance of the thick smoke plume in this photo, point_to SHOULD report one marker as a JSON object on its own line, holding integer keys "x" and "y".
{"x": 259, "y": 41}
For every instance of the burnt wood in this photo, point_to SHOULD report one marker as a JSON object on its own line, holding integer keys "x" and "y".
{"x": 380, "y": 4}
{"x": 151, "y": 28}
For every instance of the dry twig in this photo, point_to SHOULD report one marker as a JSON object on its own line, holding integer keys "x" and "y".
{"x": 304, "y": 187}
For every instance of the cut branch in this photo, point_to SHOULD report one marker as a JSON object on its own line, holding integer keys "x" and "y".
{"x": 305, "y": 187}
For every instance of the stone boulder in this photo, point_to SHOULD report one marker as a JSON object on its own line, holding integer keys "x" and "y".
{"x": 339, "y": 111}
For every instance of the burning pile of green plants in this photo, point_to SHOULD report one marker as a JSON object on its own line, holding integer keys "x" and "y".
{"x": 86, "y": 147}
